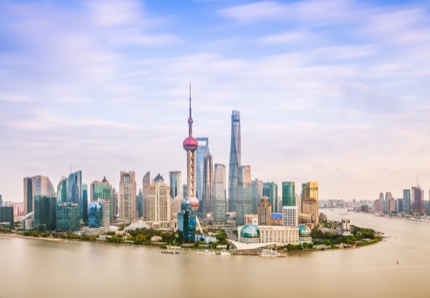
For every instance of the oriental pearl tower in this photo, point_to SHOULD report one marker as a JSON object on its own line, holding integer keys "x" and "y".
{"x": 187, "y": 216}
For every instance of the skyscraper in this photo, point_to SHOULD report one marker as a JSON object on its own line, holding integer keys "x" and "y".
{"x": 146, "y": 182}
{"x": 290, "y": 216}
{"x": 417, "y": 200}
{"x": 202, "y": 149}
{"x": 407, "y": 200}
{"x": 288, "y": 194}
{"x": 127, "y": 196}
{"x": 62, "y": 190}
{"x": 244, "y": 194}
{"x": 235, "y": 160}
{"x": 158, "y": 203}
{"x": 33, "y": 186}
{"x": 102, "y": 190}
{"x": 208, "y": 183}
{"x": 95, "y": 214}
{"x": 264, "y": 212}
{"x": 67, "y": 217}
{"x": 45, "y": 212}
{"x": 310, "y": 200}
{"x": 84, "y": 206}
{"x": 270, "y": 190}
{"x": 220, "y": 193}
{"x": 257, "y": 193}
{"x": 187, "y": 217}
{"x": 175, "y": 184}
{"x": 1, "y": 201}
{"x": 115, "y": 204}
{"x": 75, "y": 193}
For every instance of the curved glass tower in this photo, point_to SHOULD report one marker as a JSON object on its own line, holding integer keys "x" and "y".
{"x": 234, "y": 163}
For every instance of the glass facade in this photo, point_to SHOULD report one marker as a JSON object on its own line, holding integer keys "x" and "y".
{"x": 235, "y": 160}
{"x": 244, "y": 194}
{"x": 127, "y": 193}
{"x": 62, "y": 191}
{"x": 95, "y": 215}
{"x": 187, "y": 222}
{"x": 175, "y": 184}
{"x": 220, "y": 193}
{"x": 201, "y": 152}
{"x": 257, "y": 193}
{"x": 6, "y": 214}
{"x": 407, "y": 200}
{"x": 102, "y": 190}
{"x": 270, "y": 190}
{"x": 288, "y": 194}
{"x": 74, "y": 192}
{"x": 68, "y": 217}
{"x": 44, "y": 212}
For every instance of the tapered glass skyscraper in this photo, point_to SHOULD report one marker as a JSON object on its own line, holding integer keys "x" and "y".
{"x": 234, "y": 163}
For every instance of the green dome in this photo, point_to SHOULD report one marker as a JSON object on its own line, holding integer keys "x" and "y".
{"x": 304, "y": 231}
{"x": 250, "y": 231}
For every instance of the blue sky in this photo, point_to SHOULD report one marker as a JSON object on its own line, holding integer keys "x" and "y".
{"x": 329, "y": 91}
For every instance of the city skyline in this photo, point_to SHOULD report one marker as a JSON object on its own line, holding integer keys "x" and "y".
{"x": 333, "y": 89}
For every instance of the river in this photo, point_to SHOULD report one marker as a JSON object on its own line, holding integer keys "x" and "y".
{"x": 37, "y": 268}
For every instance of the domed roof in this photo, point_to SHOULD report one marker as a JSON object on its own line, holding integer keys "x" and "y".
{"x": 250, "y": 231}
{"x": 190, "y": 143}
{"x": 194, "y": 203}
{"x": 159, "y": 178}
{"x": 304, "y": 231}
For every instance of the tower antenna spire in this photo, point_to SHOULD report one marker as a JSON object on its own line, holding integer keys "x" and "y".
{"x": 190, "y": 99}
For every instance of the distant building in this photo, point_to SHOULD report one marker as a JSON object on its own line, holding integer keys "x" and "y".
{"x": 346, "y": 229}
{"x": 288, "y": 194}
{"x": 220, "y": 199}
{"x": 95, "y": 214}
{"x": 407, "y": 201}
{"x": 102, "y": 190}
{"x": 270, "y": 190}
{"x": 280, "y": 235}
{"x": 264, "y": 212}
{"x": 62, "y": 190}
{"x": 201, "y": 152}
{"x": 251, "y": 218}
{"x": 310, "y": 201}
{"x": 208, "y": 184}
{"x": 235, "y": 160}
{"x": 1, "y": 201}
{"x": 33, "y": 186}
{"x": 146, "y": 183}
{"x": 257, "y": 193}
{"x": 418, "y": 200}
{"x": 75, "y": 192}
{"x": 276, "y": 219}
{"x": 67, "y": 217}
{"x": 244, "y": 194}
{"x": 45, "y": 212}
{"x": 290, "y": 216}
{"x": 159, "y": 203}
{"x": 6, "y": 215}
{"x": 175, "y": 179}
{"x": 127, "y": 196}
{"x": 115, "y": 204}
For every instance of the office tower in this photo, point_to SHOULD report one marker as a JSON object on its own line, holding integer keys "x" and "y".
{"x": 45, "y": 212}
{"x": 75, "y": 193}
{"x": 62, "y": 190}
{"x": 270, "y": 190}
{"x": 68, "y": 217}
{"x": 33, "y": 186}
{"x": 95, "y": 214}
{"x": 127, "y": 196}
{"x": 158, "y": 203}
{"x": 264, "y": 212}
{"x": 139, "y": 204}
{"x": 288, "y": 194}
{"x": 184, "y": 191}
{"x": 208, "y": 183}
{"x": 175, "y": 178}
{"x": 244, "y": 194}
{"x": 1, "y": 201}
{"x": 219, "y": 193}
{"x": 235, "y": 160}
{"x": 84, "y": 206}
{"x": 107, "y": 213}
{"x": 146, "y": 182}
{"x": 418, "y": 200}
{"x": 102, "y": 190}
{"x": 201, "y": 151}
{"x": 6, "y": 215}
{"x": 407, "y": 200}
{"x": 399, "y": 205}
{"x": 257, "y": 193}
{"x": 187, "y": 217}
{"x": 290, "y": 216}
{"x": 115, "y": 205}
{"x": 310, "y": 200}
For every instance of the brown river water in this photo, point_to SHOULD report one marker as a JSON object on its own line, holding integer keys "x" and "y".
{"x": 37, "y": 268}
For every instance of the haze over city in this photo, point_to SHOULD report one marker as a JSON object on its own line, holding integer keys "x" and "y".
{"x": 329, "y": 91}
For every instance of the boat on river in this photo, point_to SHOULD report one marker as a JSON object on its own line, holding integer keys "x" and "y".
{"x": 270, "y": 253}
{"x": 206, "y": 253}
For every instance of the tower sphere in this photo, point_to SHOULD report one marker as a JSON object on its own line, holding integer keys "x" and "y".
{"x": 190, "y": 143}
{"x": 194, "y": 203}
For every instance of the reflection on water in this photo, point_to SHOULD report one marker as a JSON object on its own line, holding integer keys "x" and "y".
{"x": 36, "y": 268}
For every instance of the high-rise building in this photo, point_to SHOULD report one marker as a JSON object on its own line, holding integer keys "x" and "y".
{"x": 208, "y": 183}
{"x": 1, "y": 201}
{"x": 264, "y": 212}
{"x": 84, "y": 206}
{"x": 257, "y": 193}
{"x": 202, "y": 149}
{"x": 45, "y": 212}
{"x": 220, "y": 193}
{"x": 127, "y": 196}
{"x": 75, "y": 193}
{"x": 139, "y": 203}
{"x": 175, "y": 178}
{"x": 310, "y": 200}
{"x": 115, "y": 204}
{"x": 159, "y": 203}
{"x": 68, "y": 217}
{"x": 244, "y": 194}
{"x": 187, "y": 218}
{"x": 407, "y": 200}
{"x": 418, "y": 200}
{"x": 102, "y": 190}
{"x": 95, "y": 214}
{"x": 146, "y": 183}
{"x": 270, "y": 190}
{"x": 290, "y": 216}
{"x": 33, "y": 186}
{"x": 288, "y": 194}
{"x": 6, "y": 215}
{"x": 235, "y": 160}
{"x": 62, "y": 190}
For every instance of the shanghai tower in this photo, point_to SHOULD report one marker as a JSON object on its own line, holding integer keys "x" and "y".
{"x": 235, "y": 153}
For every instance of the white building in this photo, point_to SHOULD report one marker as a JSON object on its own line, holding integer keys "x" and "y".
{"x": 158, "y": 203}
{"x": 290, "y": 216}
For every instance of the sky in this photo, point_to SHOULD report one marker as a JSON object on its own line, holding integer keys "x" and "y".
{"x": 334, "y": 91}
